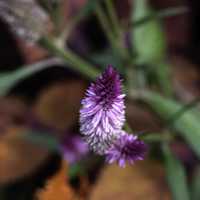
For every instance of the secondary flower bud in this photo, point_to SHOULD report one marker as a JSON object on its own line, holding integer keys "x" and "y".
{"x": 127, "y": 148}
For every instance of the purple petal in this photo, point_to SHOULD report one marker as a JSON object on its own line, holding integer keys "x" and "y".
{"x": 127, "y": 148}
{"x": 102, "y": 114}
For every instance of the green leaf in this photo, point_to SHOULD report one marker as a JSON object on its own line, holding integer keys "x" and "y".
{"x": 195, "y": 192}
{"x": 167, "y": 12}
{"x": 160, "y": 73}
{"x": 188, "y": 124}
{"x": 8, "y": 80}
{"x": 176, "y": 176}
{"x": 107, "y": 57}
{"x": 148, "y": 39}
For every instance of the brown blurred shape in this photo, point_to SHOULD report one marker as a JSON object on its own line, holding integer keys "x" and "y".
{"x": 57, "y": 187}
{"x": 145, "y": 180}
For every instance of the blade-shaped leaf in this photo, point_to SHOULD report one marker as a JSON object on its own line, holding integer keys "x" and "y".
{"x": 149, "y": 43}
{"x": 8, "y": 80}
{"x": 176, "y": 176}
{"x": 188, "y": 124}
{"x": 148, "y": 39}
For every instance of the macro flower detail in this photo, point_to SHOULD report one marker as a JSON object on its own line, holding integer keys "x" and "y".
{"x": 127, "y": 148}
{"x": 102, "y": 114}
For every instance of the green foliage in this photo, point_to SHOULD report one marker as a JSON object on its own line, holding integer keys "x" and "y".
{"x": 188, "y": 124}
{"x": 176, "y": 176}
{"x": 106, "y": 57}
{"x": 148, "y": 38}
{"x": 195, "y": 190}
{"x": 7, "y": 81}
{"x": 10, "y": 79}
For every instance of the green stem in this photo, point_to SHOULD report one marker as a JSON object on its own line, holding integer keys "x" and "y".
{"x": 105, "y": 25}
{"x": 168, "y": 12}
{"x": 113, "y": 17}
{"x": 174, "y": 11}
{"x": 8, "y": 80}
{"x": 113, "y": 40}
{"x": 29, "y": 70}
{"x": 156, "y": 137}
{"x": 76, "y": 62}
{"x": 183, "y": 110}
{"x": 88, "y": 8}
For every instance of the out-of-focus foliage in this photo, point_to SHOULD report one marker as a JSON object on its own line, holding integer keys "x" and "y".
{"x": 148, "y": 37}
{"x": 149, "y": 44}
{"x": 56, "y": 107}
{"x": 195, "y": 192}
{"x": 187, "y": 124}
{"x": 176, "y": 176}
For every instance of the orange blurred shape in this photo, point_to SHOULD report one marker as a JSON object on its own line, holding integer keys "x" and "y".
{"x": 57, "y": 187}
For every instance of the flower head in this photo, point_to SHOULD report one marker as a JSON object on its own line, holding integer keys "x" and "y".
{"x": 102, "y": 114}
{"x": 126, "y": 148}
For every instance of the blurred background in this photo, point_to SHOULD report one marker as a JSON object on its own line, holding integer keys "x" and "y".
{"x": 39, "y": 114}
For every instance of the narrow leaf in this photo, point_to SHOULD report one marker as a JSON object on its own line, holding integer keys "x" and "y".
{"x": 149, "y": 43}
{"x": 8, "y": 80}
{"x": 148, "y": 39}
{"x": 188, "y": 124}
{"x": 176, "y": 176}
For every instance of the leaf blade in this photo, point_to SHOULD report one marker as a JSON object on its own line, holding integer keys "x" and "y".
{"x": 186, "y": 125}
{"x": 176, "y": 176}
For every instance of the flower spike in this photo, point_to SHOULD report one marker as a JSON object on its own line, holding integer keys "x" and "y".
{"x": 102, "y": 114}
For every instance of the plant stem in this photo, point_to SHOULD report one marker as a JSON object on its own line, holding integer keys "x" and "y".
{"x": 113, "y": 17}
{"x": 85, "y": 11}
{"x": 156, "y": 137}
{"x": 105, "y": 25}
{"x": 113, "y": 40}
{"x": 168, "y": 12}
{"x": 71, "y": 58}
{"x": 183, "y": 110}
{"x": 173, "y": 11}
{"x": 29, "y": 70}
{"x": 8, "y": 80}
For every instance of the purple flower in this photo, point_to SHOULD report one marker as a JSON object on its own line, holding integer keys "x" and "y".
{"x": 73, "y": 148}
{"x": 126, "y": 148}
{"x": 102, "y": 114}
